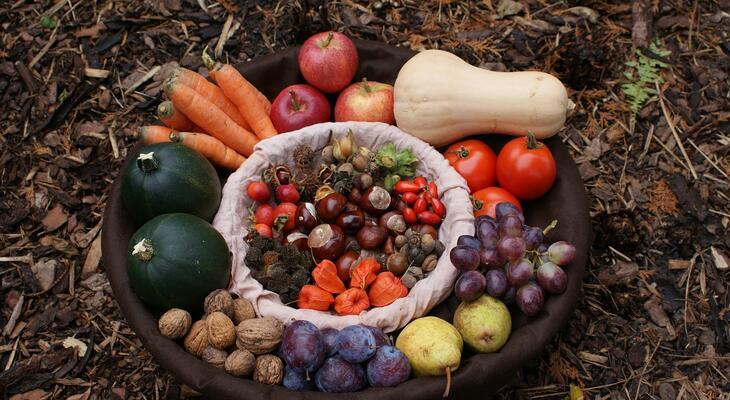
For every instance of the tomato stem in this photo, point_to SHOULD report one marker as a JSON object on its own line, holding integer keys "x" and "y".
{"x": 478, "y": 204}
{"x": 532, "y": 142}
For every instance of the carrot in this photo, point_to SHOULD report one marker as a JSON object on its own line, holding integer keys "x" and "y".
{"x": 210, "y": 118}
{"x": 155, "y": 134}
{"x": 243, "y": 95}
{"x": 172, "y": 117}
{"x": 211, "y": 92}
{"x": 213, "y": 67}
{"x": 212, "y": 148}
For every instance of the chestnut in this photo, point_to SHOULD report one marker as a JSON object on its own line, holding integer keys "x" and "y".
{"x": 350, "y": 206}
{"x": 401, "y": 205}
{"x": 426, "y": 229}
{"x": 330, "y": 207}
{"x": 397, "y": 264}
{"x": 375, "y": 200}
{"x": 298, "y": 239}
{"x": 351, "y": 244}
{"x": 351, "y": 221}
{"x": 389, "y": 247}
{"x": 306, "y": 216}
{"x": 282, "y": 174}
{"x": 371, "y": 237}
{"x": 326, "y": 241}
{"x": 394, "y": 222}
{"x": 355, "y": 195}
{"x": 344, "y": 263}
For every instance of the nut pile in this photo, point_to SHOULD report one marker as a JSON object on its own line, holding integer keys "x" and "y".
{"x": 229, "y": 336}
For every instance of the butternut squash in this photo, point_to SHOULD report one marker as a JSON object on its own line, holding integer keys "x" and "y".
{"x": 440, "y": 99}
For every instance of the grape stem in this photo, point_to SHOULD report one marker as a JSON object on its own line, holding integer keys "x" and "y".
{"x": 550, "y": 227}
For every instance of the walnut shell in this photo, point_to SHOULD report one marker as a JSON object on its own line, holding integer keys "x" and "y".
{"x": 175, "y": 323}
{"x": 259, "y": 335}
{"x": 269, "y": 370}
{"x": 242, "y": 310}
{"x": 240, "y": 363}
{"x": 214, "y": 357}
{"x": 221, "y": 331}
{"x": 219, "y": 300}
{"x": 197, "y": 339}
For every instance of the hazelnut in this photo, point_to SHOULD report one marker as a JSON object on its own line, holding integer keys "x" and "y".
{"x": 214, "y": 357}
{"x": 197, "y": 339}
{"x": 221, "y": 331}
{"x": 175, "y": 323}
{"x": 219, "y": 300}
{"x": 269, "y": 370}
{"x": 240, "y": 363}
{"x": 242, "y": 310}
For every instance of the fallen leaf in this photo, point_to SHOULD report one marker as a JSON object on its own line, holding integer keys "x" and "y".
{"x": 678, "y": 264}
{"x": 641, "y": 17}
{"x": 55, "y": 218}
{"x": 505, "y": 8}
{"x": 45, "y": 273}
{"x": 92, "y": 31}
{"x": 721, "y": 260}
{"x": 657, "y": 314}
{"x": 92, "y": 258}
{"x": 37, "y": 394}
{"x": 79, "y": 346}
{"x": 585, "y": 12}
{"x": 576, "y": 393}
{"x": 80, "y": 396}
{"x": 620, "y": 272}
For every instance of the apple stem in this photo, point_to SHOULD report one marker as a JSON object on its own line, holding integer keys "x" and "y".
{"x": 448, "y": 383}
{"x": 296, "y": 104}
{"x": 365, "y": 85}
{"x": 328, "y": 39}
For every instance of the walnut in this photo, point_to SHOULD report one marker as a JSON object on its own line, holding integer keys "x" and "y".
{"x": 197, "y": 339}
{"x": 219, "y": 300}
{"x": 269, "y": 370}
{"x": 214, "y": 357}
{"x": 259, "y": 335}
{"x": 221, "y": 331}
{"x": 242, "y": 310}
{"x": 175, "y": 323}
{"x": 240, "y": 363}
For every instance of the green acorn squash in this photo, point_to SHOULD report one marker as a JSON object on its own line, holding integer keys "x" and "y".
{"x": 175, "y": 260}
{"x": 167, "y": 178}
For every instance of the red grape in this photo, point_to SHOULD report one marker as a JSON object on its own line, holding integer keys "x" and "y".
{"x": 552, "y": 278}
{"x": 561, "y": 253}
{"x": 464, "y": 258}
{"x": 470, "y": 286}
{"x": 497, "y": 284}
{"x": 469, "y": 241}
{"x": 510, "y": 226}
{"x": 491, "y": 259}
{"x": 506, "y": 208}
{"x": 486, "y": 231}
{"x": 530, "y": 299}
{"x": 533, "y": 237}
{"x": 519, "y": 272}
{"x": 512, "y": 248}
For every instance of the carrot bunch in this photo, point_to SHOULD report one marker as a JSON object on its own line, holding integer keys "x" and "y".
{"x": 222, "y": 120}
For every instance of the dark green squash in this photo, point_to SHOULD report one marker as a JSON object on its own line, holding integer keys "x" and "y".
{"x": 175, "y": 260}
{"x": 169, "y": 177}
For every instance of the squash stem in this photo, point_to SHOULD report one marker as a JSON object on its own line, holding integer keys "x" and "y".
{"x": 143, "y": 250}
{"x": 532, "y": 142}
{"x": 368, "y": 88}
{"x": 147, "y": 162}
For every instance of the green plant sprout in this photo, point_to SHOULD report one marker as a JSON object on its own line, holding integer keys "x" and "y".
{"x": 641, "y": 75}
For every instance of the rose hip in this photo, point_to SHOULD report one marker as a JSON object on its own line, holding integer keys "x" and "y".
{"x": 429, "y": 218}
{"x": 264, "y": 215}
{"x": 409, "y": 198}
{"x": 438, "y": 207}
{"x": 410, "y": 216}
{"x": 420, "y": 205}
{"x": 287, "y": 193}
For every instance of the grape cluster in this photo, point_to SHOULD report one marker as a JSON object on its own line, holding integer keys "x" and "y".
{"x": 519, "y": 267}
{"x": 340, "y": 361}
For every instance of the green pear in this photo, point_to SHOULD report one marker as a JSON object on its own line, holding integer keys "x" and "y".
{"x": 485, "y": 323}
{"x": 432, "y": 345}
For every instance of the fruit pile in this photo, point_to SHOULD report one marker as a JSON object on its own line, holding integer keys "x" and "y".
{"x": 508, "y": 250}
{"x": 372, "y": 231}
{"x": 340, "y": 361}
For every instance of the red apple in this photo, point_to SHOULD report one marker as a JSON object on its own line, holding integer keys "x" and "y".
{"x": 328, "y": 61}
{"x": 298, "y": 106}
{"x": 366, "y": 101}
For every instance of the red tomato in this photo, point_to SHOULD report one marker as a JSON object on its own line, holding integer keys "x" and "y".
{"x": 486, "y": 200}
{"x": 287, "y": 193}
{"x": 285, "y": 216}
{"x": 264, "y": 215}
{"x": 258, "y": 191}
{"x": 526, "y": 168}
{"x": 475, "y": 161}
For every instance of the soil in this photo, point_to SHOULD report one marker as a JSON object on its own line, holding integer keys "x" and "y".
{"x": 78, "y": 78}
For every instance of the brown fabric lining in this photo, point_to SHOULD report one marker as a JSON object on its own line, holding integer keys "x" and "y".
{"x": 479, "y": 374}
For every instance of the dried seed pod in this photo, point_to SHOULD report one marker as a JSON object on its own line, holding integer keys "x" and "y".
{"x": 269, "y": 370}
{"x": 219, "y": 300}
{"x": 221, "y": 331}
{"x": 409, "y": 280}
{"x": 259, "y": 335}
{"x": 242, "y": 310}
{"x": 439, "y": 248}
{"x": 240, "y": 363}
{"x": 214, "y": 357}
{"x": 197, "y": 339}
{"x": 400, "y": 241}
{"x": 428, "y": 243}
{"x": 175, "y": 323}
{"x": 429, "y": 264}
